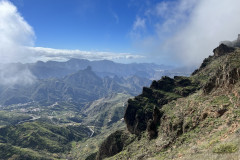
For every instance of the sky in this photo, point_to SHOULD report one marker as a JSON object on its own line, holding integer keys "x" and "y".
{"x": 171, "y": 32}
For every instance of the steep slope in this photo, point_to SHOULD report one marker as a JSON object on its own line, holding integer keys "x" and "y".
{"x": 106, "y": 111}
{"x": 104, "y": 116}
{"x": 193, "y": 117}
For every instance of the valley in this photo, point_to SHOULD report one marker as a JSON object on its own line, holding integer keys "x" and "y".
{"x": 80, "y": 107}
{"x": 119, "y": 80}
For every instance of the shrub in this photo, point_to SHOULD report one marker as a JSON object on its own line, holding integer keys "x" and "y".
{"x": 225, "y": 148}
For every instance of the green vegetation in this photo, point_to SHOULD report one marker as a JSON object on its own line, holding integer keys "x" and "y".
{"x": 187, "y": 118}
{"x": 198, "y": 116}
{"x": 104, "y": 117}
{"x": 7, "y": 118}
{"x": 225, "y": 148}
{"x": 60, "y": 130}
{"x": 140, "y": 109}
{"x": 106, "y": 111}
{"x": 220, "y": 100}
{"x": 40, "y": 136}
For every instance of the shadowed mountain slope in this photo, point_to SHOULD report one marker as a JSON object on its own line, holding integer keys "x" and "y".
{"x": 77, "y": 88}
{"x": 194, "y": 117}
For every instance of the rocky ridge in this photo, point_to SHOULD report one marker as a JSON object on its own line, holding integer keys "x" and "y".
{"x": 194, "y": 117}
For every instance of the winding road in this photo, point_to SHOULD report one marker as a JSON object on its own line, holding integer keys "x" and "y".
{"x": 32, "y": 119}
{"x": 92, "y": 131}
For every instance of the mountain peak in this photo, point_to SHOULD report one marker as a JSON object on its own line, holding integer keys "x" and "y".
{"x": 222, "y": 49}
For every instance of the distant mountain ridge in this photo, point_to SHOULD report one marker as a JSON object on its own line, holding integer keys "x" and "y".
{"x": 48, "y": 82}
{"x": 78, "y": 88}
{"x": 102, "y": 68}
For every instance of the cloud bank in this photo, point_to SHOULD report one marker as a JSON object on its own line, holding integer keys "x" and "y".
{"x": 12, "y": 74}
{"x": 15, "y": 35}
{"x": 46, "y": 54}
{"x": 188, "y": 30}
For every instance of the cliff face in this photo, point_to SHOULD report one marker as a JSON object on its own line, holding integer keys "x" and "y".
{"x": 144, "y": 110}
{"x": 114, "y": 144}
{"x": 193, "y": 117}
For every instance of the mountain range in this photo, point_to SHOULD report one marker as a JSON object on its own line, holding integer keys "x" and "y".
{"x": 102, "y": 68}
{"x": 194, "y": 117}
{"x": 80, "y": 87}
{"x": 58, "y": 108}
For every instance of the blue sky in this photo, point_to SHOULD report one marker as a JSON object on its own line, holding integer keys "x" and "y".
{"x": 177, "y": 32}
{"x": 103, "y": 25}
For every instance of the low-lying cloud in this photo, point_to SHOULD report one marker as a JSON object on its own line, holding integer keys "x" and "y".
{"x": 15, "y": 35}
{"x": 11, "y": 74}
{"x": 188, "y": 30}
{"x": 46, "y": 54}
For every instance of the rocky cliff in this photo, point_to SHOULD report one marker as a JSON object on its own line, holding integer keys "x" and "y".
{"x": 196, "y": 117}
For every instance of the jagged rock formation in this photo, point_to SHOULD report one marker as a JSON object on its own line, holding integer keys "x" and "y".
{"x": 187, "y": 117}
{"x": 225, "y": 77}
{"x": 222, "y": 50}
{"x": 154, "y": 123}
{"x": 140, "y": 110}
{"x": 113, "y": 144}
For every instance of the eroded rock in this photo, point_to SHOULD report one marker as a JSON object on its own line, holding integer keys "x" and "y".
{"x": 222, "y": 50}
{"x": 113, "y": 144}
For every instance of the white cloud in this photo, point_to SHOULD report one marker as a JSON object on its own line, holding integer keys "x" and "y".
{"x": 139, "y": 23}
{"x": 46, "y": 54}
{"x": 15, "y": 74}
{"x": 173, "y": 14}
{"x": 17, "y": 45}
{"x": 15, "y": 34}
{"x": 17, "y": 41}
{"x": 138, "y": 28}
{"x": 162, "y": 8}
{"x": 210, "y": 22}
{"x": 188, "y": 30}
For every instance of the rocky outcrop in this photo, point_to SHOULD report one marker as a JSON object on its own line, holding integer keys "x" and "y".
{"x": 222, "y": 50}
{"x": 114, "y": 144}
{"x": 142, "y": 112}
{"x": 153, "y": 123}
{"x": 224, "y": 77}
{"x": 206, "y": 61}
{"x": 163, "y": 112}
